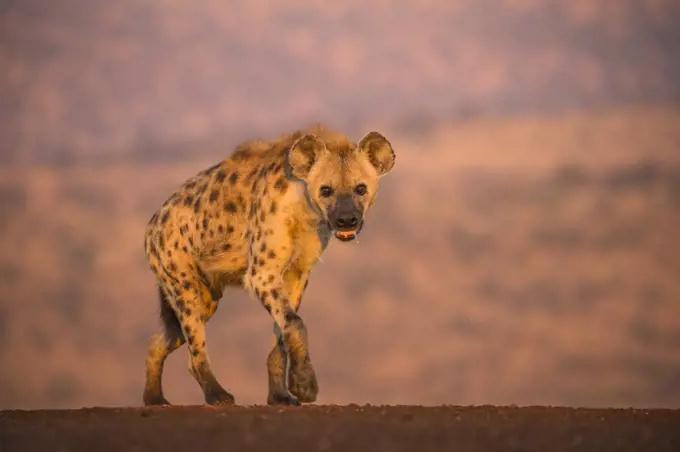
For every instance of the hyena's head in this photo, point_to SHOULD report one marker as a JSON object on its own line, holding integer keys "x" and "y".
{"x": 341, "y": 177}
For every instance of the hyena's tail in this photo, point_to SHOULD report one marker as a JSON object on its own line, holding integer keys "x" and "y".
{"x": 173, "y": 330}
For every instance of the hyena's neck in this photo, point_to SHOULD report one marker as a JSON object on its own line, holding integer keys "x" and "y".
{"x": 303, "y": 217}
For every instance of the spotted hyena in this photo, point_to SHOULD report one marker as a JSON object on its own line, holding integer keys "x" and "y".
{"x": 259, "y": 220}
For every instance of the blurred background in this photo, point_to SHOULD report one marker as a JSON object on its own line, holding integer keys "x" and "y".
{"x": 525, "y": 249}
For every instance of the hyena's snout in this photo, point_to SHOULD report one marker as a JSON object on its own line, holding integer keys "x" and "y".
{"x": 346, "y": 218}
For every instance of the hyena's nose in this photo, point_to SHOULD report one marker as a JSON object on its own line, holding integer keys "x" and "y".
{"x": 347, "y": 221}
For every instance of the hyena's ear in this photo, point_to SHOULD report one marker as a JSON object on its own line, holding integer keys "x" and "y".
{"x": 303, "y": 153}
{"x": 379, "y": 151}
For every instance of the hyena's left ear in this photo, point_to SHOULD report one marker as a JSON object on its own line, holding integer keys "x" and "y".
{"x": 303, "y": 153}
{"x": 379, "y": 151}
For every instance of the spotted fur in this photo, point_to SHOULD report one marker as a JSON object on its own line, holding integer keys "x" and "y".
{"x": 258, "y": 220}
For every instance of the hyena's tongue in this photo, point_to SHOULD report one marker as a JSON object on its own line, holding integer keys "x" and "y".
{"x": 346, "y": 235}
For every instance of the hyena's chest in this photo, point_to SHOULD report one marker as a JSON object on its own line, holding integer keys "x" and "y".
{"x": 309, "y": 244}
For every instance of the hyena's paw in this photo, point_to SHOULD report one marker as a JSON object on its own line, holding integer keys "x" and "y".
{"x": 281, "y": 398}
{"x": 219, "y": 396}
{"x": 155, "y": 400}
{"x": 302, "y": 382}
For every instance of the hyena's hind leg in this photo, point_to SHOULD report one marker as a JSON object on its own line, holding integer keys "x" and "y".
{"x": 160, "y": 347}
{"x": 192, "y": 309}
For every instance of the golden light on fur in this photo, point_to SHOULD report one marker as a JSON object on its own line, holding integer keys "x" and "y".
{"x": 259, "y": 220}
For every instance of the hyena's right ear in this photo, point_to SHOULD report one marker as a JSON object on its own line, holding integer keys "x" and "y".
{"x": 303, "y": 153}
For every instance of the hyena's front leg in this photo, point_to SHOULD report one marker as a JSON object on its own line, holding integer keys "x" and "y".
{"x": 302, "y": 378}
{"x": 266, "y": 279}
{"x": 302, "y": 381}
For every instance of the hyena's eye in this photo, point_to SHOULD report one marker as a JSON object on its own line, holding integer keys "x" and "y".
{"x": 360, "y": 189}
{"x": 325, "y": 191}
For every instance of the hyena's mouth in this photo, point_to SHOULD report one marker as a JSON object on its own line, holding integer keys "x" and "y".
{"x": 349, "y": 235}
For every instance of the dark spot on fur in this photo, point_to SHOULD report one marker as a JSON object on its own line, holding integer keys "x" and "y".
{"x": 197, "y": 205}
{"x": 194, "y": 352}
{"x": 212, "y": 168}
{"x": 220, "y": 229}
{"x": 250, "y": 175}
{"x": 189, "y": 200}
{"x": 271, "y": 278}
{"x": 214, "y": 194}
{"x": 262, "y": 216}
{"x": 173, "y": 266}
{"x": 187, "y": 285}
{"x": 161, "y": 242}
{"x": 272, "y": 208}
{"x": 183, "y": 274}
{"x": 201, "y": 189}
{"x": 176, "y": 244}
{"x": 226, "y": 247}
{"x": 230, "y": 229}
{"x": 241, "y": 154}
{"x": 253, "y": 271}
{"x": 261, "y": 262}
{"x": 220, "y": 175}
{"x": 271, "y": 254}
{"x": 292, "y": 317}
{"x": 230, "y": 207}
{"x": 275, "y": 294}
{"x": 233, "y": 177}
{"x": 205, "y": 223}
{"x": 185, "y": 249}
{"x": 187, "y": 312}
{"x": 263, "y": 247}
{"x": 281, "y": 183}
{"x": 165, "y": 217}
{"x": 180, "y": 304}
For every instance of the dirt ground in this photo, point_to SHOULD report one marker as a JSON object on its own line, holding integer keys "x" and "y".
{"x": 346, "y": 428}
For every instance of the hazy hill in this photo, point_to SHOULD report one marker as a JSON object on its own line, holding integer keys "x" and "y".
{"x": 85, "y": 78}
{"x": 531, "y": 260}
